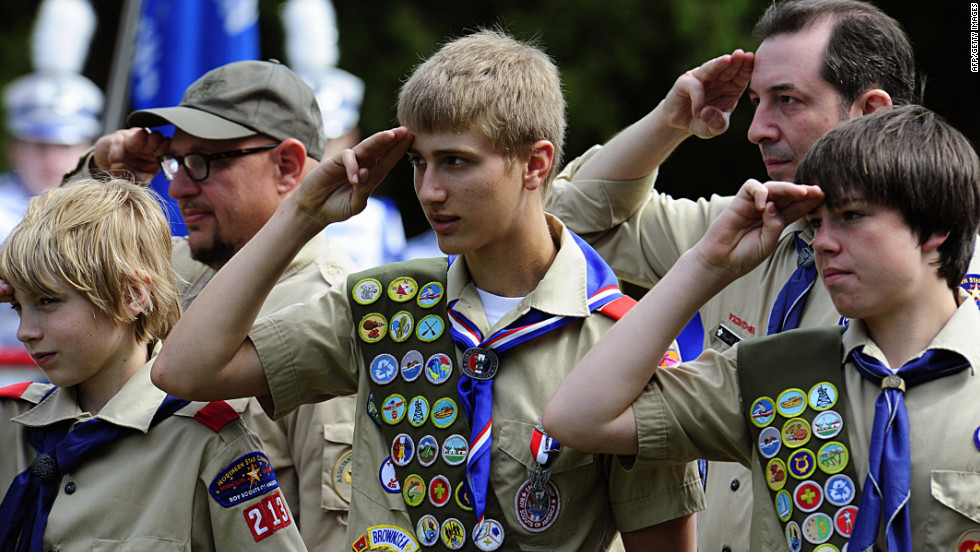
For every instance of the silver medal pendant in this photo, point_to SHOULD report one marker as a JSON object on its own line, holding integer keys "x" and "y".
{"x": 480, "y": 363}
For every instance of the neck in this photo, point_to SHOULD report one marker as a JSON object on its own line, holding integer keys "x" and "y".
{"x": 903, "y": 335}
{"x": 95, "y": 392}
{"x": 514, "y": 267}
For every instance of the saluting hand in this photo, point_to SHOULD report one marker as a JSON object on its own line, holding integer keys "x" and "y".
{"x": 133, "y": 151}
{"x": 702, "y": 99}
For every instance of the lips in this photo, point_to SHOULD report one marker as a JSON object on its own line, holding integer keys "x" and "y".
{"x": 832, "y": 275}
{"x": 42, "y": 358}
{"x": 193, "y": 215}
{"x": 442, "y": 224}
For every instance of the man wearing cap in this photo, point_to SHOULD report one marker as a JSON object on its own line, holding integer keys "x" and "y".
{"x": 245, "y": 135}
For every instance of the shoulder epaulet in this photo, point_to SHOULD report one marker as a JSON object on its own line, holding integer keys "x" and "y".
{"x": 31, "y": 392}
{"x": 14, "y": 391}
{"x": 215, "y": 415}
{"x": 617, "y": 308}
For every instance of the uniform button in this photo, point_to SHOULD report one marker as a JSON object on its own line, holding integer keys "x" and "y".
{"x": 726, "y": 548}
{"x": 735, "y": 485}
{"x": 69, "y": 487}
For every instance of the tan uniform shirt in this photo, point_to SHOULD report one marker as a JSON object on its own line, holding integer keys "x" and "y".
{"x": 311, "y": 352}
{"x": 307, "y": 446}
{"x": 149, "y": 490}
{"x": 641, "y": 233}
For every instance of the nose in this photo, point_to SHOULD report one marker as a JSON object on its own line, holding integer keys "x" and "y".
{"x": 428, "y": 186}
{"x": 182, "y": 186}
{"x": 763, "y": 127}
{"x": 28, "y": 330}
{"x": 824, "y": 242}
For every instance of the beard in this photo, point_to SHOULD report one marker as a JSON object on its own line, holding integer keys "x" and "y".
{"x": 215, "y": 256}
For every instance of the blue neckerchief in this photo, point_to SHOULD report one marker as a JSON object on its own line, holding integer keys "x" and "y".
{"x": 788, "y": 308}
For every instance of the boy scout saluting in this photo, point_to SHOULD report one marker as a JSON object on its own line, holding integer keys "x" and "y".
{"x": 856, "y": 442}
{"x": 446, "y": 447}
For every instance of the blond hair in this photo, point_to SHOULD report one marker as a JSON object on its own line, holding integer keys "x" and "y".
{"x": 102, "y": 240}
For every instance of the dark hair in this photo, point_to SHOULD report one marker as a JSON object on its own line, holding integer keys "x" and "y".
{"x": 910, "y": 159}
{"x": 866, "y": 49}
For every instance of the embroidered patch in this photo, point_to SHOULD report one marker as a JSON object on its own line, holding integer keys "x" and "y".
{"x": 402, "y": 449}
{"x": 793, "y": 537}
{"x": 438, "y": 368}
{"x": 844, "y": 520}
{"x": 791, "y": 402}
{"x": 393, "y": 409}
{"x": 827, "y": 424}
{"x": 976, "y": 438}
{"x": 430, "y": 295}
{"x": 216, "y": 415}
{"x": 536, "y": 513}
{"x": 427, "y": 530}
{"x": 361, "y": 544}
{"x": 488, "y": 535}
{"x": 391, "y": 538}
{"x": 969, "y": 541}
{"x": 372, "y": 409}
{"x": 801, "y": 464}
{"x": 428, "y": 450}
{"x": 453, "y": 534}
{"x": 454, "y": 449}
{"x": 808, "y": 496}
{"x": 769, "y": 442}
{"x": 826, "y": 547}
{"x": 832, "y": 457}
{"x": 822, "y": 396}
{"x": 818, "y": 528}
{"x": 444, "y": 412}
{"x": 763, "y": 411}
{"x": 267, "y": 516}
{"x": 784, "y": 505}
{"x": 366, "y": 291}
{"x": 413, "y": 491}
{"x": 462, "y": 496}
{"x": 388, "y": 477}
{"x": 418, "y": 411}
{"x": 430, "y": 328}
{"x": 402, "y": 289}
{"x": 247, "y": 477}
{"x": 440, "y": 491}
{"x": 971, "y": 283}
{"x": 383, "y": 369}
{"x": 372, "y": 328}
{"x": 411, "y": 365}
{"x": 839, "y": 489}
{"x": 671, "y": 358}
{"x": 776, "y": 474}
{"x": 341, "y": 478}
{"x": 796, "y": 432}
{"x": 401, "y": 326}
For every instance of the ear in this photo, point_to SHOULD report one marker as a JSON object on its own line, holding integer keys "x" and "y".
{"x": 538, "y": 164}
{"x": 870, "y": 101}
{"x": 137, "y": 294}
{"x": 934, "y": 241}
{"x": 291, "y": 160}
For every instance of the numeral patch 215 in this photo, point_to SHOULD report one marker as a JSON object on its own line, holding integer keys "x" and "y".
{"x": 268, "y": 516}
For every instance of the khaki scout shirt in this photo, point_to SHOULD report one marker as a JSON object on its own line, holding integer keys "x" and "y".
{"x": 147, "y": 491}
{"x": 310, "y": 352}
{"x": 641, "y": 233}
{"x": 309, "y": 445}
{"x": 695, "y": 410}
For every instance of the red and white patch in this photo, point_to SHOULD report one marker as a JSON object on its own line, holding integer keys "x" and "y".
{"x": 267, "y": 516}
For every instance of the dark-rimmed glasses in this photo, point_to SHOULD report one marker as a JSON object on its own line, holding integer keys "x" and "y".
{"x": 197, "y": 166}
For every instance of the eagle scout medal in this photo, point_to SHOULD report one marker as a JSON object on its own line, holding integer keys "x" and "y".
{"x": 418, "y": 411}
{"x": 384, "y": 369}
{"x": 430, "y": 295}
{"x": 366, "y": 291}
{"x": 839, "y": 490}
{"x": 373, "y": 328}
{"x": 822, "y": 396}
{"x": 427, "y": 530}
{"x": 791, "y": 402}
{"x": 401, "y": 326}
{"x": 769, "y": 442}
{"x": 453, "y": 534}
{"x": 444, "y": 412}
{"x": 827, "y": 424}
{"x": 818, "y": 528}
{"x": 537, "y": 508}
{"x": 389, "y": 537}
{"x": 411, "y": 365}
{"x": 832, "y": 457}
{"x": 454, "y": 449}
{"x": 438, "y": 368}
{"x": 763, "y": 411}
{"x": 402, "y": 450}
{"x": 341, "y": 475}
{"x": 393, "y": 409}
{"x": 480, "y": 363}
{"x": 488, "y": 535}
{"x": 430, "y": 328}
{"x": 808, "y": 496}
{"x": 844, "y": 520}
{"x": 388, "y": 478}
{"x": 413, "y": 491}
{"x": 428, "y": 450}
{"x": 402, "y": 289}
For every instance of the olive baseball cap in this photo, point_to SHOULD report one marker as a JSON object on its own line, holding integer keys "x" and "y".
{"x": 242, "y": 99}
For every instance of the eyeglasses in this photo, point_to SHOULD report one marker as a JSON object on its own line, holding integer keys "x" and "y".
{"x": 197, "y": 166}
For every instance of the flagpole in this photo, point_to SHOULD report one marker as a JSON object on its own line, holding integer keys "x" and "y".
{"x": 117, "y": 92}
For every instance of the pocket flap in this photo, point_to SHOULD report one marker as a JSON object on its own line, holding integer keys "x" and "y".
{"x": 958, "y": 490}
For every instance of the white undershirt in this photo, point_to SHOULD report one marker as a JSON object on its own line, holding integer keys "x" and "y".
{"x": 495, "y": 306}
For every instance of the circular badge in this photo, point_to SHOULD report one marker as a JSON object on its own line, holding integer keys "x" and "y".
{"x": 418, "y": 411}
{"x": 393, "y": 409}
{"x": 791, "y": 402}
{"x": 976, "y": 438}
{"x": 427, "y": 530}
{"x": 822, "y": 396}
{"x": 402, "y": 449}
{"x": 827, "y": 424}
{"x": 411, "y": 365}
{"x": 454, "y": 449}
{"x": 793, "y": 536}
{"x": 808, "y": 496}
{"x": 383, "y": 369}
{"x": 453, "y": 534}
{"x": 462, "y": 496}
{"x": 826, "y": 547}
{"x": 444, "y": 412}
{"x": 428, "y": 450}
{"x": 776, "y": 474}
{"x": 537, "y": 511}
{"x": 440, "y": 491}
{"x": 480, "y": 363}
{"x": 413, "y": 491}
{"x": 401, "y": 326}
{"x": 341, "y": 475}
{"x": 388, "y": 477}
{"x": 366, "y": 291}
{"x": 763, "y": 411}
{"x": 968, "y": 541}
{"x": 430, "y": 295}
{"x": 769, "y": 442}
{"x": 839, "y": 489}
{"x": 488, "y": 535}
{"x": 438, "y": 368}
{"x": 818, "y": 528}
{"x": 372, "y": 328}
{"x": 796, "y": 432}
{"x": 784, "y": 505}
{"x": 402, "y": 289}
{"x": 801, "y": 464}
{"x": 430, "y": 328}
{"x": 971, "y": 283}
{"x": 844, "y": 520}
{"x": 372, "y": 410}
{"x": 832, "y": 457}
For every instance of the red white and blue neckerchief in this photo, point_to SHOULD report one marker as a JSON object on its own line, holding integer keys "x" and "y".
{"x": 476, "y": 396}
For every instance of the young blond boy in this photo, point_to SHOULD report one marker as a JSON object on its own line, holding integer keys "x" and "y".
{"x": 105, "y": 458}
{"x": 485, "y": 126}
{"x": 844, "y": 442}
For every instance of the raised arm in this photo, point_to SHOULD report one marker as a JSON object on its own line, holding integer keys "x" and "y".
{"x": 131, "y": 151}
{"x": 625, "y": 359}
{"x": 208, "y": 355}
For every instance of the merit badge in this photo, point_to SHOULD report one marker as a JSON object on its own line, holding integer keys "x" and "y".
{"x": 839, "y": 489}
{"x": 427, "y": 530}
{"x": 827, "y": 424}
{"x": 832, "y": 457}
{"x": 440, "y": 491}
{"x": 402, "y": 449}
{"x": 418, "y": 411}
{"x": 454, "y": 449}
{"x": 801, "y": 464}
{"x": 268, "y": 515}
{"x": 361, "y": 544}
{"x": 796, "y": 432}
{"x": 444, "y": 412}
{"x": 463, "y": 498}
{"x": 537, "y": 509}
{"x": 844, "y": 521}
{"x": 769, "y": 442}
{"x": 480, "y": 363}
{"x": 776, "y": 474}
{"x": 341, "y": 477}
{"x": 430, "y": 295}
{"x": 367, "y": 291}
{"x": 401, "y": 326}
{"x": 976, "y": 438}
{"x": 969, "y": 541}
{"x": 413, "y": 490}
{"x": 388, "y": 477}
{"x": 392, "y": 538}
{"x": 488, "y": 535}
{"x": 402, "y": 289}
{"x": 393, "y": 409}
{"x": 412, "y": 365}
{"x": 971, "y": 283}
{"x": 818, "y": 528}
{"x": 383, "y": 369}
{"x": 428, "y": 450}
{"x": 791, "y": 402}
{"x": 372, "y": 328}
{"x": 826, "y": 547}
{"x": 763, "y": 411}
{"x": 430, "y": 328}
{"x": 671, "y": 358}
{"x": 247, "y": 477}
{"x": 453, "y": 534}
{"x": 784, "y": 505}
{"x": 808, "y": 496}
{"x": 822, "y": 396}
{"x": 438, "y": 368}
{"x": 372, "y": 410}
{"x": 793, "y": 537}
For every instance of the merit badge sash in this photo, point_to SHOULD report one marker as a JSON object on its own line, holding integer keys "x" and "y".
{"x": 794, "y": 401}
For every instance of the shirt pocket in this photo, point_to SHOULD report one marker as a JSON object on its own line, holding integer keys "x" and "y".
{"x": 338, "y": 459}
{"x": 958, "y": 490}
{"x": 138, "y": 544}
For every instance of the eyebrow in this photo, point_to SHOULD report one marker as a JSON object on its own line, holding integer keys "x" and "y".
{"x": 781, "y": 87}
